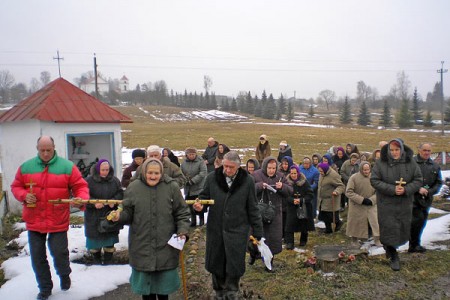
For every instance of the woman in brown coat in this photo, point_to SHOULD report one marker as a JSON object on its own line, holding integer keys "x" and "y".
{"x": 262, "y": 149}
{"x": 362, "y": 206}
{"x": 328, "y": 197}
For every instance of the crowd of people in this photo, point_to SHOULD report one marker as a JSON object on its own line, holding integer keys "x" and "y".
{"x": 387, "y": 194}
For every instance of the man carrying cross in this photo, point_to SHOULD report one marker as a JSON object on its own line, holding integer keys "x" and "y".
{"x": 45, "y": 177}
{"x": 227, "y": 230}
{"x": 395, "y": 177}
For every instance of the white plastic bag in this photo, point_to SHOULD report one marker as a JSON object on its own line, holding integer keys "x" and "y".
{"x": 266, "y": 254}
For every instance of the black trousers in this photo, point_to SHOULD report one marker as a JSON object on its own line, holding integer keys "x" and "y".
{"x": 58, "y": 246}
{"x": 226, "y": 288}
{"x": 418, "y": 223}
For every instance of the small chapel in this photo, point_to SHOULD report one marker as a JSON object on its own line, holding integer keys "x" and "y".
{"x": 84, "y": 130}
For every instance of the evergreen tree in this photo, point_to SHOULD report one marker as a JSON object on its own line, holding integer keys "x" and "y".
{"x": 195, "y": 100}
{"x": 233, "y": 106}
{"x": 186, "y": 102}
{"x": 269, "y": 109}
{"x": 386, "y": 119}
{"x": 258, "y": 109}
{"x": 225, "y": 105}
{"x": 206, "y": 101}
{"x": 201, "y": 101}
{"x": 277, "y": 114}
{"x": 404, "y": 115}
{"x": 249, "y": 106}
{"x": 281, "y": 106}
{"x": 213, "y": 102}
{"x": 290, "y": 112}
{"x": 311, "y": 110}
{"x": 447, "y": 112}
{"x": 364, "y": 116}
{"x": 264, "y": 98}
{"x": 428, "y": 122}
{"x": 346, "y": 117}
{"x": 416, "y": 111}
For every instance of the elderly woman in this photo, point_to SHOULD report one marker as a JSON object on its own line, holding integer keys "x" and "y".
{"x": 272, "y": 186}
{"x": 328, "y": 197}
{"x": 155, "y": 209}
{"x": 251, "y": 166}
{"x": 302, "y": 195}
{"x": 362, "y": 206}
{"x": 102, "y": 185}
{"x": 395, "y": 177}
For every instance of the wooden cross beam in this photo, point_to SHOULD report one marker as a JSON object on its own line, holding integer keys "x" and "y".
{"x": 83, "y": 201}
{"x": 202, "y": 202}
{"x": 30, "y": 185}
{"x": 400, "y": 182}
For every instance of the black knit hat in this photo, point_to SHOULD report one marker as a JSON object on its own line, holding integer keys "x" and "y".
{"x": 138, "y": 153}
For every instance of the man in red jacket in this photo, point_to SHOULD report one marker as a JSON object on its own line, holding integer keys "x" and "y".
{"x": 44, "y": 177}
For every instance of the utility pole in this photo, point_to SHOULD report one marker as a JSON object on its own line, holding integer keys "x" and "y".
{"x": 58, "y": 58}
{"x": 95, "y": 75}
{"x": 442, "y": 71}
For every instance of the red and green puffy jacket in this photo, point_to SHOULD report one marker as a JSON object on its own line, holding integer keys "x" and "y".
{"x": 58, "y": 179}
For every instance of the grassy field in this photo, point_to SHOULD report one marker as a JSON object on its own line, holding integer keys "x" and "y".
{"x": 304, "y": 141}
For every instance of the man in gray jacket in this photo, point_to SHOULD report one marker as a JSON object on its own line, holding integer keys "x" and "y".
{"x": 194, "y": 169}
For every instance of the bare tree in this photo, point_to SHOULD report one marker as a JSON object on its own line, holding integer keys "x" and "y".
{"x": 34, "y": 85}
{"x": 6, "y": 82}
{"x": 328, "y": 97}
{"x": 45, "y": 77}
{"x": 207, "y": 83}
{"x": 403, "y": 85}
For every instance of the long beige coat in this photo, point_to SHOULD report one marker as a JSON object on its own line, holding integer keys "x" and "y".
{"x": 358, "y": 188}
{"x": 327, "y": 185}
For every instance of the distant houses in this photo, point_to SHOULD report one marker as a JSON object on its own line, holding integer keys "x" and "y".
{"x": 88, "y": 85}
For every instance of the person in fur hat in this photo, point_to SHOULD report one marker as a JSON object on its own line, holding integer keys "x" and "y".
{"x": 138, "y": 156}
{"x": 262, "y": 149}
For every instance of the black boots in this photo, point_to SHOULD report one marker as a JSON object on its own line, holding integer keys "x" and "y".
{"x": 96, "y": 256}
{"x": 392, "y": 255}
{"x": 65, "y": 282}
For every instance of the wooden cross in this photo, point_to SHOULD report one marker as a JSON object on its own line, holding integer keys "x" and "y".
{"x": 30, "y": 185}
{"x": 202, "y": 202}
{"x": 400, "y": 182}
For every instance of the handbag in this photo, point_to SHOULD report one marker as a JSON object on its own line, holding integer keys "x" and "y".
{"x": 106, "y": 226}
{"x": 267, "y": 211}
{"x": 301, "y": 211}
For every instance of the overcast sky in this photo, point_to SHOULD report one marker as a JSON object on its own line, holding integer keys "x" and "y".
{"x": 282, "y": 46}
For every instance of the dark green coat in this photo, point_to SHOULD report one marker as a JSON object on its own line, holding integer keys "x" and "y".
{"x": 395, "y": 212}
{"x": 229, "y": 219}
{"x": 154, "y": 215}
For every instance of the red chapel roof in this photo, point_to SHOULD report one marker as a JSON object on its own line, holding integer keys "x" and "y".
{"x": 62, "y": 102}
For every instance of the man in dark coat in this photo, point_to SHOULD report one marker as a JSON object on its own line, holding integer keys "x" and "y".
{"x": 432, "y": 182}
{"x": 235, "y": 209}
{"x": 395, "y": 177}
{"x": 209, "y": 156}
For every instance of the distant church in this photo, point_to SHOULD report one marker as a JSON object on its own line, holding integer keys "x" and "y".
{"x": 88, "y": 85}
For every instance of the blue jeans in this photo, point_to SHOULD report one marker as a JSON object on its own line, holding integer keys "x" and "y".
{"x": 58, "y": 246}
